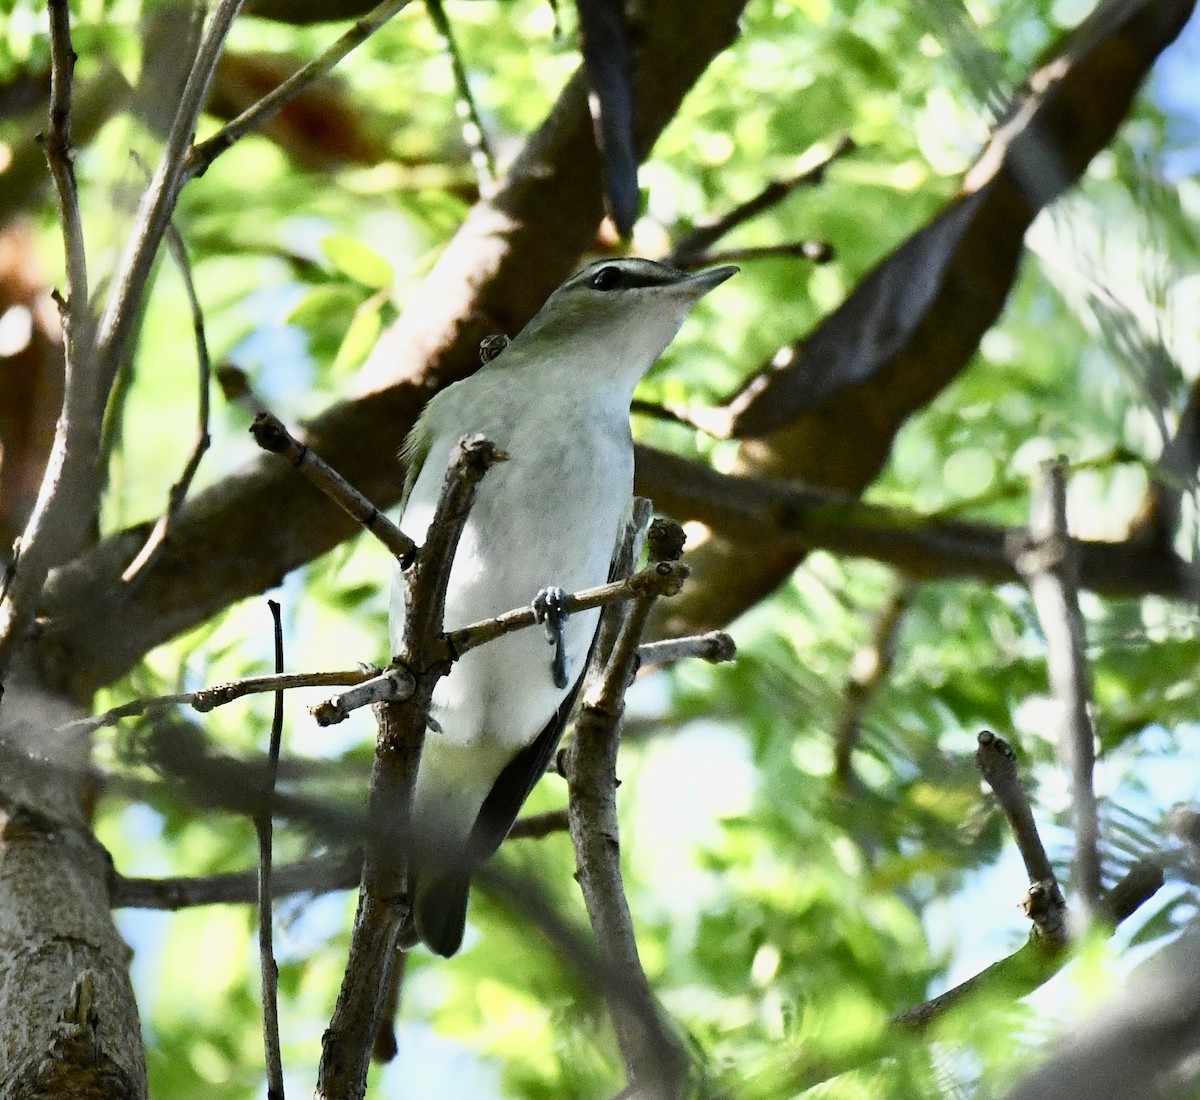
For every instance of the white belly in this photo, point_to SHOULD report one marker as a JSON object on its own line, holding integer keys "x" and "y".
{"x": 553, "y": 520}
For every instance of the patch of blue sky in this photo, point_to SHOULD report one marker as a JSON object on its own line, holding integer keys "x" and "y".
{"x": 1175, "y": 88}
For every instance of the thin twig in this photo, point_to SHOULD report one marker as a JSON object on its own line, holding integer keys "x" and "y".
{"x": 1044, "y": 904}
{"x": 210, "y": 698}
{"x": 817, "y": 252}
{"x": 473, "y": 130}
{"x": 716, "y": 647}
{"x": 153, "y": 546}
{"x": 263, "y": 829}
{"x": 68, "y": 489}
{"x": 701, "y": 239}
{"x": 383, "y": 904}
{"x": 659, "y": 579}
{"x": 655, "y": 1060}
{"x": 158, "y": 203}
{"x": 1049, "y": 567}
{"x": 391, "y": 686}
{"x": 270, "y": 434}
{"x": 869, "y": 671}
{"x": 60, "y": 155}
{"x": 205, "y": 152}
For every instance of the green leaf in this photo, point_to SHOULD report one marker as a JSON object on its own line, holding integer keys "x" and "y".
{"x": 358, "y": 261}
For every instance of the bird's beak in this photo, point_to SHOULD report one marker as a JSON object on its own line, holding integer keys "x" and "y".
{"x": 701, "y": 282}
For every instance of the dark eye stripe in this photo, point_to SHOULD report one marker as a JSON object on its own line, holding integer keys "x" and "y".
{"x": 612, "y": 277}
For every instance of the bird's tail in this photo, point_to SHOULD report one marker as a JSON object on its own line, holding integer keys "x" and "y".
{"x": 440, "y": 910}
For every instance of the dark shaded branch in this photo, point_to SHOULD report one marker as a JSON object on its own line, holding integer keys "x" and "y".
{"x": 778, "y": 520}
{"x": 320, "y": 874}
{"x": 608, "y": 62}
{"x": 539, "y": 826}
{"x": 263, "y": 829}
{"x": 687, "y": 250}
{"x": 1050, "y": 569}
{"x": 316, "y": 875}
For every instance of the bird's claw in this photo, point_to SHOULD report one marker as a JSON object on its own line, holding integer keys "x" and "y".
{"x": 550, "y": 609}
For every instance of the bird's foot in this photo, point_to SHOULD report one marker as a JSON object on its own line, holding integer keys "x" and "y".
{"x": 550, "y": 609}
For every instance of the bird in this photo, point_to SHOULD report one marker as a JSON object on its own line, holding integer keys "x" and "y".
{"x": 545, "y": 522}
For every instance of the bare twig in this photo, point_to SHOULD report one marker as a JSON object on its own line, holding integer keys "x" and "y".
{"x": 1044, "y": 903}
{"x": 204, "y": 153}
{"x": 655, "y": 1059}
{"x": 383, "y": 905}
{"x": 1050, "y": 570}
{"x": 817, "y": 252}
{"x": 150, "y": 552}
{"x": 270, "y": 434}
{"x": 997, "y": 764}
{"x": 158, "y": 203}
{"x": 473, "y": 130}
{"x": 659, "y": 579}
{"x": 60, "y": 155}
{"x": 207, "y": 699}
{"x": 701, "y": 239}
{"x": 55, "y": 527}
{"x": 869, "y": 670}
{"x": 263, "y": 829}
{"x": 391, "y": 686}
{"x": 716, "y": 647}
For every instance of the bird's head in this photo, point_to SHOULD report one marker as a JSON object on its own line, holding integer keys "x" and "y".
{"x": 623, "y": 311}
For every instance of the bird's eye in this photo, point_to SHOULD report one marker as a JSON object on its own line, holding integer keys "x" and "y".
{"x": 607, "y": 278}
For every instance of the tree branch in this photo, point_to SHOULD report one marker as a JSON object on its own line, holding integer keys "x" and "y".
{"x": 263, "y": 829}
{"x": 1050, "y": 570}
{"x": 270, "y": 434}
{"x": 1044, "y": 904}
{"x": 202, "y": 155}
{"x": 179, "y": 491}
{"x": 383, "y": 905}
{"x": 655, "y": 1060}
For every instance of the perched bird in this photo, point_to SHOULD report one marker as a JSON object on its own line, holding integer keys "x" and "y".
{"x": 545, "y": 522}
